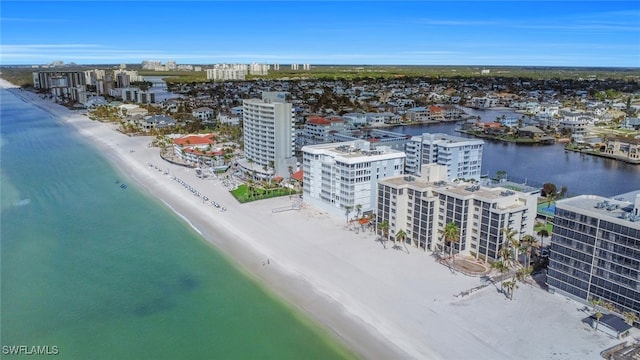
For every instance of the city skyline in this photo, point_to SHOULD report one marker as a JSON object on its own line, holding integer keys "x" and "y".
{"x": 502, "y": 33}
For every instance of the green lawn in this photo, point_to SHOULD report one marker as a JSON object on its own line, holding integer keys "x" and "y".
{"x": 539, "y": 226}
{"x": 243, "y": 195}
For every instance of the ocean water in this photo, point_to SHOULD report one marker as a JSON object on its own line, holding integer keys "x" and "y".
{"x": 95, "y": 271}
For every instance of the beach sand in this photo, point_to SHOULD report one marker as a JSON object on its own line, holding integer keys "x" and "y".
{"x": 382, "y": 303}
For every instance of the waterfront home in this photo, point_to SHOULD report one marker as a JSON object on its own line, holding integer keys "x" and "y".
{"x": 418, "y": 114}
{"x": 510, "y": 121}
{"x": 157, "y": 122}
{"x": 436, "y": 113}
{"x": 631, "y": 124}
{"x": 484, "y": 102}
{"x": 203, "y": 113}
{"x": 573, "y": 126}
{"x": 533, "y": 133}
{"x": 623, "y": 147}
{"x": 355, "y": 119}
{"x": 452, "y": 112}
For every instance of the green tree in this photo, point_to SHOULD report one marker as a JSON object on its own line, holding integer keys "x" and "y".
{"x": 597, "y": 303}
{"x": 507, "y": 257}
{"x": 549, "y": 188}
{"x": 630, "y": 317}
{"x": 529, "y": 244}
{"x": 543, "y": 233}
{"x": 347, "y": 211}
{"x": 451, "y": 234}
{"x": 511, "y": 286}
{"x": 510, "y": 240}
{"x": 384, "y": 228}
{"x": 499, "y": 265}
{"x": 358, "y": 210}
{"x": 401, "y": 236}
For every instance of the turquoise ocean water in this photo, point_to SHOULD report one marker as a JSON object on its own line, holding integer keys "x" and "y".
{"x": 103, "y": 272}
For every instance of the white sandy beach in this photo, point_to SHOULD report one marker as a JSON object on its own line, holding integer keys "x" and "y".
{"x": 383, "y": 303}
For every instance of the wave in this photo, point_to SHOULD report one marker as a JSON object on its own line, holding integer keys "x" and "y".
{"x": 22, "y": 202}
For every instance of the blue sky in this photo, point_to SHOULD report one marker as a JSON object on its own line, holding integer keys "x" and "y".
{"x": 540, "y": 33}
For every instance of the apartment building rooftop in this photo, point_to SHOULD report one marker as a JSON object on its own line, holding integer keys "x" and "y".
{"x": 623, "y": 209}
{"x": 357, "y": 149}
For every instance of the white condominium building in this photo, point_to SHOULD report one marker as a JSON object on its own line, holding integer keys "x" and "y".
{"x": 423, "y": 206}
{"x": 345, "y": 174}
{"x": 461, "y": 156}
{"x": 259, "y": 69}
{"x": 228, "y": 72}
{"x": 269, "y": 143}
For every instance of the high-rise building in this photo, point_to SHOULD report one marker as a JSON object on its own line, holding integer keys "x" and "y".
{"x": 461, "y": 156}
{"x": 64, "y": 84}
{"x": 228, "y": 72}
{"x": 258, "y": 69}
{"x": 269, "y": 147}
{"x": 122, "y": 80}
{"x": 595, "y": 249}
{"x": 339, "y": 176}
{"x": 422, "y": 207}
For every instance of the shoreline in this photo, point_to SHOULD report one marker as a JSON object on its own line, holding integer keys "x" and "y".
{"x": 282, "y": 281}
{"x": 381, "y": 303}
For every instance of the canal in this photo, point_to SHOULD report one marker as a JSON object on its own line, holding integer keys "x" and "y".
{"x": 538, "y": 164}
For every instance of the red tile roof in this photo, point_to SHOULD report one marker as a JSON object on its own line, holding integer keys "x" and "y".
{"x": 196, "y": 140}
{"x": 317, "y": 120}
{"x": 298, "y": 175}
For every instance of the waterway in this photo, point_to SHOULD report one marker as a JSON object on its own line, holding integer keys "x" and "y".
{"x": 538, "y": 164}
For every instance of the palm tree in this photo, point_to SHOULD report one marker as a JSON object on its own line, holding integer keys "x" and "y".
{"x": 401, "y": 235}
{"x": 511, "y": 240}
{"x": 347, "y": 211}
{"x": 542, "y": 233}
{"x": 630, "y": 317}
{"x": 511, "y": 286}
{"x": 451, "y": 234}
{"x": 529, "y": 242}
{"x": 499, "y": 265}
{"x": 358, "y": 210}
{"x": 384, "y": 227}
{"x": 596, "y": 303}
{"x": 507, "y": 257}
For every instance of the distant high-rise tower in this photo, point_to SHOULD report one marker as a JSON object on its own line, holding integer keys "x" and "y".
{"x": 294, "y": 66}
{"x": 306, "y": 67}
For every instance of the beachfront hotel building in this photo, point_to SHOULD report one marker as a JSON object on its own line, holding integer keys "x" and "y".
{"x": 422, "y": 205}
{"x": 345, "y": 174}
{"x": 461, "y": 156}
{"x": 199, "y": 150}
{"x": 269, "y": 144}
{"x": 595, "y": 249}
